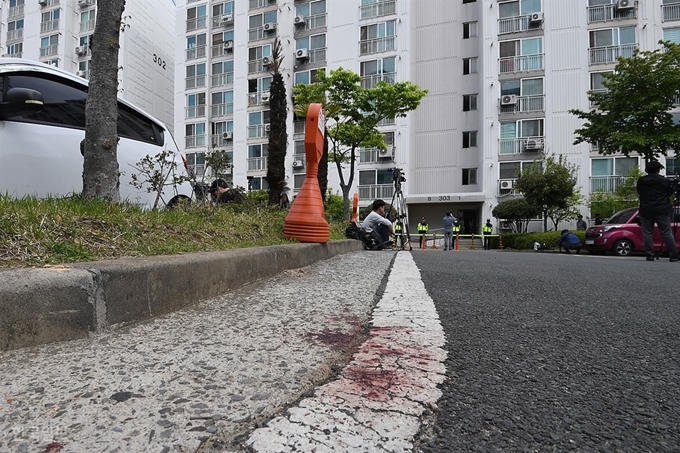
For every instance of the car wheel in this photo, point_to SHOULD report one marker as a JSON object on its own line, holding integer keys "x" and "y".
{"x": 623, "y": 248}
{"x": 178, "y": 200}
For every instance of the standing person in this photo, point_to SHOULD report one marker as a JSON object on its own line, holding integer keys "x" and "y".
{"x": 487, "y": 229}
{"x": 422, "y": 231}
{"x": 456, "y": 232}
{"x": 580, "y": 223}
{"x": 448, "y": 230}
{"x": 375, "y": 221}
{"x": 655, "y": 207}
{"x": 598, "y": 219}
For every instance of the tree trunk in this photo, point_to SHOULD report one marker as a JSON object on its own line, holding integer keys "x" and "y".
{"x": 100, "y": 163}
{"x": 278, "y": 137}
{"x": 322, "y": 177}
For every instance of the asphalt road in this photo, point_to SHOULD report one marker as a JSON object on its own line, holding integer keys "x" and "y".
{"x": 550, "y": 352}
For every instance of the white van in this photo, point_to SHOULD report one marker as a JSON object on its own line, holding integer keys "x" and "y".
{"x": 40, "y": 145}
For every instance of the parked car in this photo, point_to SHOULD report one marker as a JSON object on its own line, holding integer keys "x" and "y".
{"x": 42, "y": 123}
{"x": 622, "y": 234}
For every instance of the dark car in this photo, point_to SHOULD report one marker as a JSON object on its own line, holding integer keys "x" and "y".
{"x": 622, "y": 235}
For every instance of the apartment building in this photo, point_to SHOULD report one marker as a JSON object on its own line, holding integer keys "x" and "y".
{"x": 57, "y": 32}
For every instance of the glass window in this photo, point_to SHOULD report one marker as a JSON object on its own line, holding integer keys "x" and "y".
{"x": 469, "y": 30}
{"x": 602, "y": 167}
{"x": 469, "y": 102}
{"x": 509, "y": 170}
{"x": 469, "y": 139}
{"x": 469, "y": 176}
{"x": 367, "y": 177}
{"x": 597, "y": 79}
{"x": 470, "y": 65}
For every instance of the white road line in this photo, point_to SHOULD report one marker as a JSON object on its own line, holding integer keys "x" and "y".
{"x": 376, "y": 403}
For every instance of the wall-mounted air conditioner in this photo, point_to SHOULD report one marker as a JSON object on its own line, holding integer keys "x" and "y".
{"x": 269, "y": 26}
{"x": 507, "y": 184}
{"x": 508, "y": 99}
{"x": 533, "y": 144}
{"x": 299, "y": 20}
{"x": 385, "y": 153}
{"x": 227, "y": 135}
{"x": 301, "y": 54}
{"x": 81, "y": 50}
{"x": 226, "y": 19}
{"x": 267, "y": 127}
{"x": 42, "y": 2}
{"x": 84, "y": 3}
{"x": 298, "y": 164}
{"x": 229, "y": 45}
{"x": 624, "y": 4}
{"x": 266, "y": 61}
{"x": 265, "y": 96}
{"x": 536, "y": 18}
{"x": 81, "y": 74}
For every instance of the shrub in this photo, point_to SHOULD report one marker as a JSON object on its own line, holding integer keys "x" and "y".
{"x": 525, "y": 241}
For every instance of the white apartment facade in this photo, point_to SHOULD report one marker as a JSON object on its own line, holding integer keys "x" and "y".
{"x": 57, "y": 32}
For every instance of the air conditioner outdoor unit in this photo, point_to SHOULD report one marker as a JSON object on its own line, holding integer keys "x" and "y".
{"x": 267, "y": 127}
{"x": 301, "y": 54}
{"x": 298, "y": 164}
{"x": 387, "y": 152}
{"x": 536, "y": 18}
{"x": 81, "y": 50}
{"x": 508, "y": 99}
{"x": 226, "y": 19}
{"x": 533, "y": 144}
{"x": 80, "y": 74}
{"x": 228, "y": 45}
{"x": 266, "y": 61}
{"x": 299, "y": 20}
{"x": 265, "y": 97}
{"x": 42, "y": 2}
{"x": 624, "y": 4}
{"x": 83, "y": 3}
{"x": 269, "y": 26}
{"x": 507, "y": 184}
{"x": 227, "y": 135}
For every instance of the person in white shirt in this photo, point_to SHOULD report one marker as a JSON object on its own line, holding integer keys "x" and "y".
{"x": 376, "y": 221}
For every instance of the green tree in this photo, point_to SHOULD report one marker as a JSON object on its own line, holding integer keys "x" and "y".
{"x": 353, "y": 114}
{"x": 569, "y": 212}
{"x": 100, "y": 147}
{"x": 516, "y": 212}
{"x": 632, "y": 115}
{"x": 625, "y": 196}
{"x": 278, "y": 137}
{"x": 549, "y": 185}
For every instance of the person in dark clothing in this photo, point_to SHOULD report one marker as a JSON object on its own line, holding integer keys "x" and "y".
{"x": 569, "y": 241}
{"x": 655, "y": 207}
{"x": 221, "y": 193}
{"x": 598, "y": 219}
{"x": 580, "y": 223}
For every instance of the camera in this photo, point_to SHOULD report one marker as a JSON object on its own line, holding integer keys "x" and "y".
{"x": 397, "y": 176}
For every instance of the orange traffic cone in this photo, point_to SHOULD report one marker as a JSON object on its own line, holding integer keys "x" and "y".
{"x": 457, "y": 244}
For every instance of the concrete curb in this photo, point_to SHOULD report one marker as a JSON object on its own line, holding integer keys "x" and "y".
{"x": 45, "y": 305}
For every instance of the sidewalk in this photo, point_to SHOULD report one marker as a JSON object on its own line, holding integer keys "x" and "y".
{"x": 199, "y": 377}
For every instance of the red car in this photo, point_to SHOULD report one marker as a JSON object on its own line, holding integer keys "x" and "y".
{"x": 622, "y": 235}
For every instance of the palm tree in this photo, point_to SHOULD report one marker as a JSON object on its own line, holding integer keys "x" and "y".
{"x": 278, "y": 137}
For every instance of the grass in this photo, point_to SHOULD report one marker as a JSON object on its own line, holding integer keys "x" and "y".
{"x": 38, "y": 232}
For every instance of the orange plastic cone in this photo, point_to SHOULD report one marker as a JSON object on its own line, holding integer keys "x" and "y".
{"x": 355, "y": 207}
{"x": 457, "y": 243}
{"x": 306, "y": 220}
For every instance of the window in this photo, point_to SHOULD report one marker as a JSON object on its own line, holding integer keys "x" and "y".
{"x": 15, "y": 49}
{"x": 518, "y": 8}
{"x": 196, "y": 17}
{"x": 470, "y": 65}
{"x": 597, "y": 79}
{"x": 672, "y": 166}
{"x": 195, "y": 135}
{"x": 672, "y": 34}
{"x": 257, "y": 157}
{"x": 469, "y": 176}
{"x": 469, "y": 139}
{"x": 84, "y": 41}
{"x": 196, "y": 163}
{"x": 258, "y": 183}
{"x": 195, "y": 105}
{"x": 531, "y": 49}
{"x": 49, "y": 45}
{"x": 523, "y": 87}
{"x": 223, "y": 8}
{"x": 469, "y": 102}
{"x": 223, "y": 73}
{"x": 196, "y": 46}
{"x": 469, "y": 30}
{"x": 378, "y": 37}
{"x": 64, "y": 105}
{"x": 311, "y": 9}
{"x": 469, "y": 1}
{"x": 87, "y": 19}
{"x": 195, "y": 76}
{"x": 222, "y": 103}
{"x": 307, "y": 76}
{"x": 511, "y": 170}
{"x": 298, "y": 180}
{"x": 315, "y": 44}
{"x": 372, "y": 177}
{"x": 612, "y": 37}
{"x": 84, "y": 66}
{"x": 256, "y": 24}
{"x": 377, "y": 70}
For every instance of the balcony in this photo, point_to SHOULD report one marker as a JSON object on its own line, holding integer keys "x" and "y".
{"x": 13, "y": 55}
{"x": 376, "y": 191}
{"x": 196, "y": 52}
{"x": 517, "y": 24}
{"x": 534, "y": 103}
{"x": 223, "y": 79}
{"x": 606, "y": 13}
{"x": 222, "y": 109}
{"x": 610, "y": 54}
{"x": 386, "y": 122}
{"x": 218, "y": 22}
{"x": 258, "y": 33}
{"x": 87, "y": 25}
{"x": 378, "y": 9}
{"x": 258, "y": 131}
{"x": 15, "y": 11}
{"x": 377, "y": 45}
{"x": 669, "y": 12}
{"x": 371, "y": 80}
{"x": 375, "y": 155}
{"x": 521, "y": 145}
{"x": 194, "y": 82}
{"x": 257, "y": 164}
{"x": 219, "y": 50}
{"x": 521, "y": 63}
{"x": 195, "y": 141}
{"x": 197, "y": 23}
{"x": 607, "y": 183}
{"x": 218, "y": 140}
{"x": 15, "y": 35}
{"x": 255, "y": 4}
{"x": 195, "y": 111}
{"x": 49, "y": 50}
{"x": 51, "y": 3}
{"x": 312, "y": 23}
{"x": 255, "y": 99}
{"x": 50, "y": 25}
{"x": 255, "y": 66}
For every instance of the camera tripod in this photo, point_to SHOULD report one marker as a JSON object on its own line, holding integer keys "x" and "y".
{"x": 400, "y": 209}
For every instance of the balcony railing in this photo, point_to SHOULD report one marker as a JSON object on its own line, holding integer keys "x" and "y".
{"x": 197, "y": 23}
{"x": 258, "y": 131}
{"x": 521, "y": 63}
{"x": 519, "y": 145}
{"x": 371, "y": 80}
{"x": 14, "y": 35}
{"x": 386, "y": 122}
{"x": 195, "y": 111}
{"x": 15, "y": 11}
{"x": 670, "y": 12}
{"x": 13, "y": 55}
{"x": 605, "y": 13}
{"x": 50, "y": 25}
{"x": 255, "y": 34}
{"x": 257, "y": 164}
{"x": 507, "y": 187}
{"x": 255, "y": 98}
{"x": 534, "y": 103}
{"x": 219, "y": 50}
{"x": 52, "y": 3}
{"x": 87, "y": 25}
{"x": 196, "y": 52}
{"x": 313, "y": 22}
{"x": 219, "y": 140}
{"x": 607, "y": 183}
{"x": 255, "y": 4}
{"x": 378, "y": 9}
{"x": 377, "y": 45}
{"x": 610, "y": 54}
{"x": 49, "y": 50}
{"x": 222, "y": 109}
{"x": 376, "y": 191}
{"x": 516, "y": 24}
{"x": 195, "y": 82}
{"x": 375, "y": 155}
{"x": 256, "y": 66}
{"x": 195, "y": 141}
{"x": 225, "y": 78}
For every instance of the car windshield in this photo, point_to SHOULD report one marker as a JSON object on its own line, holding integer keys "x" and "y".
{"x": 622, "y": 216}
